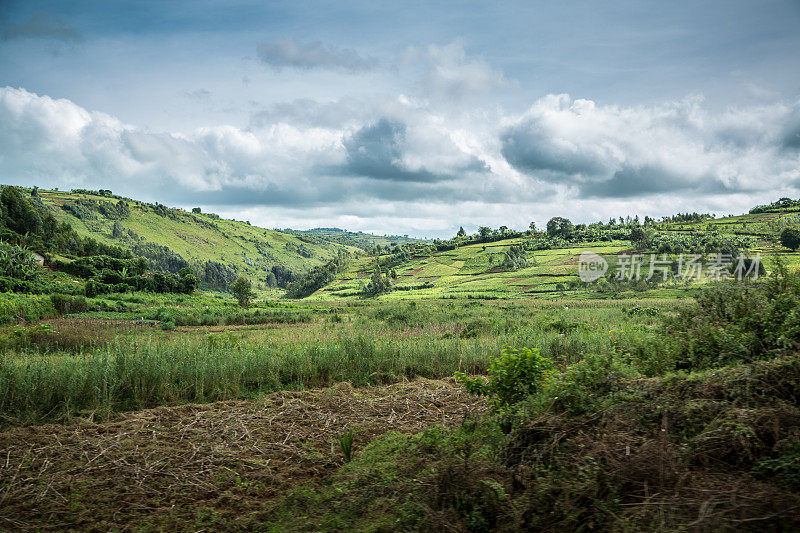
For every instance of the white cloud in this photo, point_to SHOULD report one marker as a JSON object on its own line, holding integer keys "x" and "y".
{"x": 448, "y": 75}
{"x": 404, "y": 165}
{"x": 620, "y": 152}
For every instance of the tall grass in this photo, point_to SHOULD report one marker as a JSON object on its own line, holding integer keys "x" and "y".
{"x": 379, "y": 345}
{"x": 124, "y": 377}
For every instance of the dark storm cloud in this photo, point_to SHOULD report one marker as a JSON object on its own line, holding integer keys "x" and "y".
{"x": 294, "y": 54}
{"x": 377, "y": 151}
{"x": 42, "y": 26}
{"x": 528, "y": 148}
{"x": 791, "y": 139}
{"x": 630, "y": 182}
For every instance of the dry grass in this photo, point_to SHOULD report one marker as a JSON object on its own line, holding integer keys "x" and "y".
{"x": 218, "y": 465}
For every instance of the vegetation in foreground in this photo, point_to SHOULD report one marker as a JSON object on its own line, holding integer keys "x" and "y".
{"x": 595, "y": 445}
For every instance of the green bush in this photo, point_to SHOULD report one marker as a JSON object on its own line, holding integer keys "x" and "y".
{"x": 582, "y": 384}
{"x": 65, "y": 303}
{"x": 15, "y": 307}
{"x": 24, "y": 337}
{"x": 17, "y": 262}
{"x": 785, "y": 466}
{"x": 512, "y": 376}
{"x": 738, "y": 322}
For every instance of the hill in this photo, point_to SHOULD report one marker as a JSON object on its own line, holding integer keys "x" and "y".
{"x": 217, "y": 249}
{"x": 508, "y": 264}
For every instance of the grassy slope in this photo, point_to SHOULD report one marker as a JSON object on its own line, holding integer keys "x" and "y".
{"x": 200, "y": 237}
{"x": 467, "y": 271}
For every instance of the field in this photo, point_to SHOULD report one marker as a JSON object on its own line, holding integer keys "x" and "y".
{"x": 487, "y": 388}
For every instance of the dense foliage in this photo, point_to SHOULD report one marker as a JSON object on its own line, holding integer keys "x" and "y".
{"x": 316, "y": 278}
{"x": 27, "y": 222}
{"x": 779, "y": 205}
{"x": 738, "y": 322}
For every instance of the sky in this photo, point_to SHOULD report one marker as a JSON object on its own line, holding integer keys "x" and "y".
{"x": 406, "y": 117}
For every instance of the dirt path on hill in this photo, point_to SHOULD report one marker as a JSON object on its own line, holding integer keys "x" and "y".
{"x": 193, "y": 465}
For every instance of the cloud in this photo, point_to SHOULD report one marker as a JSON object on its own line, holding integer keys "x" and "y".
{"x": 44, "y": 137}
{"x": 402, "y": 160}
{"x": 380, "y": 151}
{"x": 309, "y": 112}
{"x": 376, "y": 151}
{"x": 448, "y": 75}
{"x": 42, "y": 26}
{"x": 629, "y": 152}
{"x": 313, "y": 55}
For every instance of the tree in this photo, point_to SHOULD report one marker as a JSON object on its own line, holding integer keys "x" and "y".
{"x": 484, "y": 232}
{"x": 379, "y": 283}
{"x": 196, "y": 210}
{"x": 187, "y": 281}
{"x": 790, "y": 238}
{"x": 638, "y": 237}
{"x": 117, "y": 230}
{"x": 532, "y": 227}
{"x": 461, "y": 232}
{"x": 561, "y": 227}
{"x": 242, "y": 289}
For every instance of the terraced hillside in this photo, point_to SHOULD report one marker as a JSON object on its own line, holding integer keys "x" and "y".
{"x": 216, "y": 248}
{"x": 481, "y": 270}
{"x": 474, "y": 271}
{"x": 764, "y": 226}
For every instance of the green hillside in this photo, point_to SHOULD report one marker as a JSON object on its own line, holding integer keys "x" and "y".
{"x": 216, "y": 248}
{"x": 471, "y": 271}
{"x": 548, "y": 267}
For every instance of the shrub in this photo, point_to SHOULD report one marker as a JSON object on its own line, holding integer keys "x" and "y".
{"x": 24, "y": 337}
{"x": 738, "y": 322}
{"x": 17, "y": 262}
{"x": 790, "y": 238}
{"x": 512, "y": 376}
{"x": 64, "y": 303}
{"x": 582, "y": 384}
{"x": 15, "y": 307}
